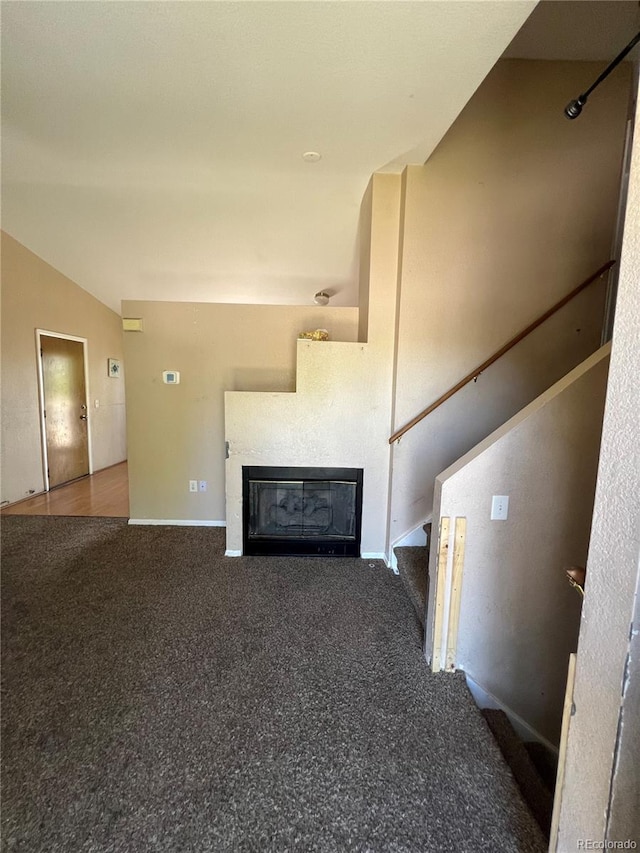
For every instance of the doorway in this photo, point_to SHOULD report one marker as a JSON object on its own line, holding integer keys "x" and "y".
{"x": 63, "y": 407}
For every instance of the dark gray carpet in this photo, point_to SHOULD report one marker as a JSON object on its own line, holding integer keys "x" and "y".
{"x": 161, "y": 697}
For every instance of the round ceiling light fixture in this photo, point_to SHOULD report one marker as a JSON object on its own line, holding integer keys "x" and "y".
{"x": 311, "y": 156}
{"x": 321, "y": 298}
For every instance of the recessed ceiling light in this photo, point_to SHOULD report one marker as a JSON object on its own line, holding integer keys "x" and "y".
{"x": 311, "y": 156}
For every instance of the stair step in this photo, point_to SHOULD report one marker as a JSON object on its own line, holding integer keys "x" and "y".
{"x": 413, "y": 563}
{"x": 545, "y": 761}
{"x": 535, "y": 790}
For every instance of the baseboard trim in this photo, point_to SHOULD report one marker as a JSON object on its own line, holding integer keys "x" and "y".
{"x": 6, "y": 504}
{"x": 374, "y": 555}
{"x": 413, "y": 538}
{"x": 113, "y": 465}
{"x": 484, "y": 699}
{"x": 179, "y": 522}
{"x": 392, "y": 562}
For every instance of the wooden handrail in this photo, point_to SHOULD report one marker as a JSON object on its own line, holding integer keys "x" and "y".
{"x": 523, "y": 334}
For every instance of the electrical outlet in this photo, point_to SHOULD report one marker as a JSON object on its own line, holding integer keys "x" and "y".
{"x": 202, "y": 485}
{"x": 499, "y": 507}
{"x": 193, "y": 485}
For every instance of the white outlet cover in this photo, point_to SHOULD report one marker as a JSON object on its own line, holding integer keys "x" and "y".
{"x": 499, "y": 507}
{"x": 171, "y": 377}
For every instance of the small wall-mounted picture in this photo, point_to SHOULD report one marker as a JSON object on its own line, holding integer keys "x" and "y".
{"x": 114, "y": 367}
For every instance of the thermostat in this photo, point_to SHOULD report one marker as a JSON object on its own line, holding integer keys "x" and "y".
{"x": 171, "y": 377}
{"x": 132, "y": 324}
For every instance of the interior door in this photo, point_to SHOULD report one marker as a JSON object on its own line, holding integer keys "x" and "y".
{"x": 65, "y": 410}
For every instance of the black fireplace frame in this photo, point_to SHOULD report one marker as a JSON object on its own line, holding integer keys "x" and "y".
{"x": 293, "y": 546}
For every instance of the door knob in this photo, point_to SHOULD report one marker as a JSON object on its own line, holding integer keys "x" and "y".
{"x": 83, "y": 417}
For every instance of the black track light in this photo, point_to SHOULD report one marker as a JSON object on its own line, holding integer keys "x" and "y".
{"x": 574, "y": 108}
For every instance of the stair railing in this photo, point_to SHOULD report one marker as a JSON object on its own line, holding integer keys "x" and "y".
{"x": 504, "y": 349}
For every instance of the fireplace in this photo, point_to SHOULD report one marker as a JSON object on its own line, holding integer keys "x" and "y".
{"x": 301, "y": 511}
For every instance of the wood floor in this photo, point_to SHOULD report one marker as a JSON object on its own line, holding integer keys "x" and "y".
{"x": 105, "y": 493}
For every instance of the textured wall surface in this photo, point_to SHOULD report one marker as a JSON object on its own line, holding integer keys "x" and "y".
{"x": 176, "y": 433}
{"x": 612, "y": 569}
{"x": 341, "y": 412}
{"x": 514, "y": 209}
{"x": 36, "y": 296}
{"x": 519, "y": 618}
{"x": 624, "y": 819}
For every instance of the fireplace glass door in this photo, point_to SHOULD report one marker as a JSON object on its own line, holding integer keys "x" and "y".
{"x": 301, "y": 515}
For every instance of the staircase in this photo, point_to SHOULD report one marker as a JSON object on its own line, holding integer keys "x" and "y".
{"x": 532, "y": 765}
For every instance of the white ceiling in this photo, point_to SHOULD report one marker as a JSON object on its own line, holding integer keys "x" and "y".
{"x": 153, "y": 150}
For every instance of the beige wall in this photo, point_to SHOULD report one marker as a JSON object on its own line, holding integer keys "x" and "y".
{"x": 519, "y": 617}
{"x": 515, "y": 207}
{"x": 34, "y": 295}
{"x": 606, "y": 686}
{"x": 364, "y": 263}
{"x": 176, "y": 433}
{"x": 341, "y": 412}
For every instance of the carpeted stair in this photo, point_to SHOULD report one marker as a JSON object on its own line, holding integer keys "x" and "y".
{"x": 545, "y": 762}
{"x": 413, "y": 568}
{"x": 532, "y": 765}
